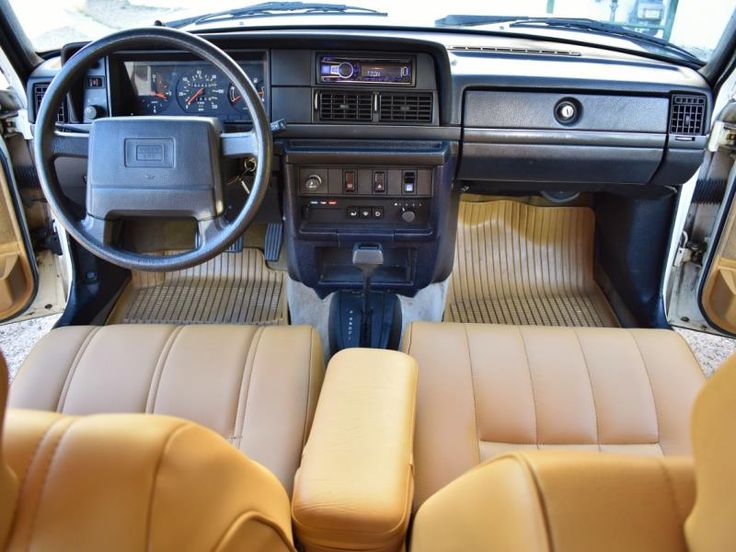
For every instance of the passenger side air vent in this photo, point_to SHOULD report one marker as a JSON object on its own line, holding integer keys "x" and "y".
{"x": 39, "y": 90}
{"x": 341, "y": 106}
{"x": 405, "y": 108}
{"x": 505, "y": 50}
{"x": 687, "y": 114}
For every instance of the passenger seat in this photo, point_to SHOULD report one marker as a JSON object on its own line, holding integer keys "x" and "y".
{"x": 489, "y": 389}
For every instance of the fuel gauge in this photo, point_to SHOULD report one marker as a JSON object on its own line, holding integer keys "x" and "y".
{"x": 237, "y": 101}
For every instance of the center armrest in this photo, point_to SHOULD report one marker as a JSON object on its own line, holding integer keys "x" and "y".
{"x": 355, "y": 486}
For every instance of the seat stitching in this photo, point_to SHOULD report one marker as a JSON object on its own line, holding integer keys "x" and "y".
{"x": 260, "y": 518}
{"x": 651, "y": 386}
{"x": 158, "y": 370}
{"x": 47, "y": 469}
{"x": 531, "y": 385}
{"x": 240, "y": 387}
{"x": 22, "y": 481}
{"x": 73, "y": 368}
{"x": 177, "y": 429}
{"x": 540, "y": 496}
{"x": 472, "y": 387}
{"x": 671, "y": 488}
{"x": 309, "y": 388}
{"x": 250, "y": 360}
{"x": 592, "y": 392}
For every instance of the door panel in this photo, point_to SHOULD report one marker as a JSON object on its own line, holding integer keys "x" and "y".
{"x": 17, "y": 274}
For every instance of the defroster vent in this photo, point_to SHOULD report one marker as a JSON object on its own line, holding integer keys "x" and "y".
{"x": 345, "y": 106}
{"x": 39, "y": 90}
{"x": 687, "y": 114}
{"x": 405, "y": 108}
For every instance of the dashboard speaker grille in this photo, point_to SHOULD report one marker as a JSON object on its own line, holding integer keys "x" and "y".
{"x": 687, "y": 114}
{"x": 39, "y": 90}
{"x": 345, "y": 106}
{"x": 405, "y": 108}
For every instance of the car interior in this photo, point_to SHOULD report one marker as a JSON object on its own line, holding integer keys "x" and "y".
{"x": 332, "y": 282}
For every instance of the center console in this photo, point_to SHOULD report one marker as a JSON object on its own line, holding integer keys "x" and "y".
{"x": 397, "y": 195}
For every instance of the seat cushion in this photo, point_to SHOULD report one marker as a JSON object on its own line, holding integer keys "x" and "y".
{"x": 255, "y": 386}
{"x": 135, "y": 482}
{"x": 539, "y": 501}
{"x": 487, "y": 389}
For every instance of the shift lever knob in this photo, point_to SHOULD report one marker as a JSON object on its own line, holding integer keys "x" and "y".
{"x": 367, "y": 258}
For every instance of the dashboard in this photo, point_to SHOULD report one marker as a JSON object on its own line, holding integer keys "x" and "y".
{"x": 383, "y": 129}
{"x": 153, "y": 87}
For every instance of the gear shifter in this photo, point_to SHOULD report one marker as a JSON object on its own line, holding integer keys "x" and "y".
{"x": 367, "y": 258}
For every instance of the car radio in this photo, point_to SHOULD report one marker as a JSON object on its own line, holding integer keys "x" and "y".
{"x": 362, "y": 70}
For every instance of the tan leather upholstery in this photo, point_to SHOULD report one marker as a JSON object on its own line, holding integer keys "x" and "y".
{"x": 354, "y": 488}
{"x": 8, "y": 480}
{"x": 135, "y": 482}
{"x": 712, "y": 526}
{"x": 132, "y": 482}
{"x": 561, "y": 500}
{"x": 485, "y": 390}
{"x": 256, "y": 386}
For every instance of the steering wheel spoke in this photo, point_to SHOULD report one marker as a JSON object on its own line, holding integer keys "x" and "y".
{"x": 210, "y": 230}
{"x": 98, "y": 229}
{"x": 69, "y": 144}
{"x": 239, "y": 144}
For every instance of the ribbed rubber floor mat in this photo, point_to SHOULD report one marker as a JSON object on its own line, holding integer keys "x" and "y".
{"x": 520, "y": 264}
{"x": 232, "y": 288}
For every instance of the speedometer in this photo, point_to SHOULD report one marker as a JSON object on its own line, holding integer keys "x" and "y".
{"x": 200, "y": 91}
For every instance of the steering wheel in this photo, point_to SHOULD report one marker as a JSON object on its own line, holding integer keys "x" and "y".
{"x": 152, "y": 165}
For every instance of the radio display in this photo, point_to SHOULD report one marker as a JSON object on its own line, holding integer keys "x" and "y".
{"x": 334, "y": 69}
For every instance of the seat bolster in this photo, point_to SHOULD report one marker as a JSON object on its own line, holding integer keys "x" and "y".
{"x": 559, "y": 500}
{"x": 135, "y": 482}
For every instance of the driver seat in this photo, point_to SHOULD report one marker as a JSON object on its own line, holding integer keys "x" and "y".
{"x": 255, "y": 386}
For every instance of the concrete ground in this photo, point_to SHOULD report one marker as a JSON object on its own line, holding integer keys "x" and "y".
{"x": 16, "y": 340}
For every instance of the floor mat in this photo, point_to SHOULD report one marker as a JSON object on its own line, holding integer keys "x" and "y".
{"x": 521, "y": 264}
{"x": 232, "y": 288}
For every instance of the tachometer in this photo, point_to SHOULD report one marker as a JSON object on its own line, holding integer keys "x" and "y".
{"x": 200, "y": 91}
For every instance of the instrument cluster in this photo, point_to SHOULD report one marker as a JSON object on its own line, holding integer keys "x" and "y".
{"x": 191, "y": 88}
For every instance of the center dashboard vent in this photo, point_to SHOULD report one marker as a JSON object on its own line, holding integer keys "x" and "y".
{"x": 39, "y": 90}
{"x": 405, "y": 108}
{"x": 334, "y": 105}
{"x": 687, "y": 114}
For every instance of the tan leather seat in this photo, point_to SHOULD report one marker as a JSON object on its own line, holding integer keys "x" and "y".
{"x": 131, "y": 482}
{"x": 255, "y": 386}
{"x": 486, "y": 389}
{"x": 581, "y": 501}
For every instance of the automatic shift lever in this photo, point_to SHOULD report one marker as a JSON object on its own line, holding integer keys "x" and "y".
{"x": 367, "y": 258}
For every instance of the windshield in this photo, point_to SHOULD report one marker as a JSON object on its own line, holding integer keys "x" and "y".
{"x": 693, "y": 25}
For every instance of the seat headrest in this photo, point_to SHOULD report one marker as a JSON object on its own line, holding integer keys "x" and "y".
{"x": 8, "y": 480}
{"x": 710, "y": 525}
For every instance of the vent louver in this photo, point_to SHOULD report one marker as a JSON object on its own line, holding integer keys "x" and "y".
{"x": 506, "y": 50}
{"x": 39, "y": 90}
{"x": 345, "y": 106}
{"x": 687, "y": 114}
{"x": 405, "y": 108}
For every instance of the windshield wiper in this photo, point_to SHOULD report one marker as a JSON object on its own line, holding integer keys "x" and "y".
{"x": 275, "y": 9}
{"x": 573, "y": 24}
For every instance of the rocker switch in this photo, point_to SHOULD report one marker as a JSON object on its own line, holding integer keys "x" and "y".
{"x": 348, "y": 182}
{"x": 379, "y": 182}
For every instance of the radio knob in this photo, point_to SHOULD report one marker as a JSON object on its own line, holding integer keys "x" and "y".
{"x": 407, "y": 215}
{"x": 345, "y": 70}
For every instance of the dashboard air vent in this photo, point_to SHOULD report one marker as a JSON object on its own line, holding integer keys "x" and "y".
{"x": 506, "y": 50}
{"x": 687, "y": 114}
{"x": 39, "y": 90}
{"x": 405, "y": 108}
{"x": 345, "y": 106}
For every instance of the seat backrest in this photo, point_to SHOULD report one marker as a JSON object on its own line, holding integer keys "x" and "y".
{"x": 711, "y": 525}
{"x": 133, "y": 482}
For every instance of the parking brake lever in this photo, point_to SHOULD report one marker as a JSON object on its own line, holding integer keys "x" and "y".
{"x": 367, "y": 258}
